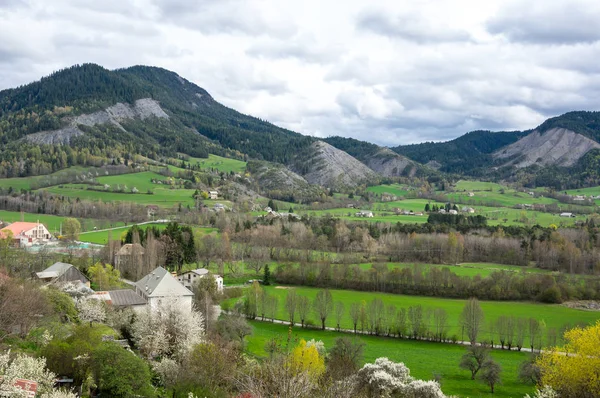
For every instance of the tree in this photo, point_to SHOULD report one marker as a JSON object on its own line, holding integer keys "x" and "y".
{"x": 23, "y": 367}
{"x": 291, "y": 303}
{"x": 71, "y": 228}
{"x": 576, "y": 374}
{"x": 120, "y": 373}
{"x": 355, "y": 314}
{"x": 344, "y": 357}
{"x": 272, "y": 205}
{"x": 305, "y": 358}
{"x": 323, "y": 305}
{"x": 267, "y": 276}
{"x": 303, "y": 306}
{"x": 233, "y": 328}
{"x": 339, "y": 313}
{"x": 104, "y": 277}
{"x": 91, "y": 310}
{"x": 168, "y": 329}
{"x": 205, "y": 294}
{"x": 471, "y": 319}
{"x": 490, "y": 373}
{"x": 474, "y": 359}
{"x": 529, "y": 371}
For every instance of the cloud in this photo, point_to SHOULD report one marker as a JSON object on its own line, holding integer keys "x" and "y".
{"x": 548, "y": 22}
{"x": 401, "y": 73}
{"x": 411, "y": 27}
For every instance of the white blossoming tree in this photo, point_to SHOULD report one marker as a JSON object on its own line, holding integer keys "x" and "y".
{"x": 385, "y": 378}
{"x": 23, "y": 367}
{"x": 168, "y": 329}
{"x": 545, "y": 392}
{"x": 91, "y": 310}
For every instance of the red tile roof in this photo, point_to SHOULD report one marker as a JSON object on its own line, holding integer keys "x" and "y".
{"x": 17, "y": 227}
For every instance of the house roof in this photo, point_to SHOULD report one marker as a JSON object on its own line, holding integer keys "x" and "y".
{"x": 125, "y": 297}
{"x": 18, "y": 227}
{"x": 160, "y": 283}
{"x": 54, "y": 271}
{"x": 198, "y": 271}
{"x": 128, "y": 248}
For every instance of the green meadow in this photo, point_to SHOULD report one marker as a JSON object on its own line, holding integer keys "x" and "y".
{"x": 101, "y": 237}
{"x": 424, "y": 359}
{"x": 53, "y": 222}
{"x": 553, "y": 315}
{"x": 394, "y": 189}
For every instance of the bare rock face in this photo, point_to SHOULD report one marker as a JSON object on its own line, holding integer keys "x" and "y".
{"x": 332, "y": 168}
{"x": 557, "y": 146}
{"x": 389, "y": 164}
{"x": 142, "y": 109}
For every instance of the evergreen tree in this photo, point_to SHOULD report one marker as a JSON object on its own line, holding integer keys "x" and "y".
{"x": 267, "y": 276}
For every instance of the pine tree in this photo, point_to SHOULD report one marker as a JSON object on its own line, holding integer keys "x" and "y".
{"x": 267, "y": 276}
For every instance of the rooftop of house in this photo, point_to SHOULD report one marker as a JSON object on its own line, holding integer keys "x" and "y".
{"x": 54, "y": 271}
{"x": 18, "y": 227}
{"x": 160, "y": 283}
{"x": 128, "y": 248}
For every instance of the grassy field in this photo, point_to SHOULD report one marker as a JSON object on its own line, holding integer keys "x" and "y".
{"x": 422, "y": 358}
{"x": 465, "y": 269}
{"x": 219, "y": 163}
{"x": 554, "y": 316}
{"x": 101, "y": 237}
{"x": 53, "y": 222}
{"x": 26, "y": 182}
{"x": 394, "y": 189}
{"x": 478, "y": 186}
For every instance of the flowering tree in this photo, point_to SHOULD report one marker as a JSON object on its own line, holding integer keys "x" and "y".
{"x": 23, "y": 367}
{"x": 306, "y": 358}
{"x": 168, "y": 329}
{"x": 385, "y": 378}
{"x": 91, "y": 310}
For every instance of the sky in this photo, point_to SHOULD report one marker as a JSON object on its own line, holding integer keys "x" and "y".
{"x": 389, "y": 72}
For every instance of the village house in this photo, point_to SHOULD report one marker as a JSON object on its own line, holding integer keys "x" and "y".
{"x": 388, "y": 197}
{"x": 152, "y": 210}
{"x": 419, "y": 213}
{"x": 452, "y": 211}
{"x": 364, "y": 213}
{"x": 471, "y": 194}
{"x": 188, "y": 278}
{"x": 442, "y": 211}
{"x": 125, "y": 253}
{"x": 579, "y": 198}
{"x": 160, "y": 285}
{"x": 468, "y": 210}
{"x": 567, "y": 215}
{"x": 213, "y": 194}
{"x": 25, "y": 234}
{"x": 62, "y": 273}
{"x": 218, "y": 207}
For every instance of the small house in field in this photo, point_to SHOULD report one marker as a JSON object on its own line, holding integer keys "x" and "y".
{"x": 567, "y": 215}
{"x": 364, "y": 213}
{"x": 213, "y": 195}
{"x": 160, "y": 285}
{"x": 188, "y": 279}
{"x": 471, "y": 194}
{"x": 152, "y": 210}
{"x": 25, "y": 234}
{"x": 452, "y": 211}
{"x": 62, "y": 273}
{"x": 468, "y": 210}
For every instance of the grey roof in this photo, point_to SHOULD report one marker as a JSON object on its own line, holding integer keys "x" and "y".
{"x": 125, "y": 297}
{"x": 127, "y": 249}
{"x": 54, "y": 271}
{"x": 199, "y": 271}
{"x": 160, "y": 283}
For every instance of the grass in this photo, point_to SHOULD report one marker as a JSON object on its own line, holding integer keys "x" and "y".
{"x": 19, "y": 183}
{"x": 554, "y": 316}
{"x": 219, "y": 163}
{"x": 422, "y": 358}
{"x": 101, "y": 237}
{"x": 394, "y": 189}
{"x": 465, "y": 269}
{"x": 53, "y": 222}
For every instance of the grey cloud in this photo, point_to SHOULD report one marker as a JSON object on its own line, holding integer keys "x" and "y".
{"x": 296, "y": 49}
{"x": 411, "y": 27}
{"x": 548, "y": 22}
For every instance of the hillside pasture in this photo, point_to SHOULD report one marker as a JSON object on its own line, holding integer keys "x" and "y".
{"x": 219, "y": 163}
{"x": 53, "y": 223}
{"x": 394, "y": 189}
{"x": 424, "y": 359}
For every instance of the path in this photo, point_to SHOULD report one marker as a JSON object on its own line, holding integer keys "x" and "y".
{"x": 126, "y": 226}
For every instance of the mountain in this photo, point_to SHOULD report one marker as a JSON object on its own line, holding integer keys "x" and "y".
{"x": 379, "y": 159}
{"x": 470, "y": 154}
{"x": 87, "y": 114}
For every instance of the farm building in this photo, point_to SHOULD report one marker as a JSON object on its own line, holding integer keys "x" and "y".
{"x": 125, "y": 253}
{"x": 213, "y": 194}
{"x": 188, "y": 279}
{"x": 567, "y": 215}
{"x": 62, "y": 272}
{"x": 25, "y": 234}
{"x": 159, "y": 285}
{"x": 123, "y": 298}
{"x": 151, "y": 210}
{"x": 364, "y": 213}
